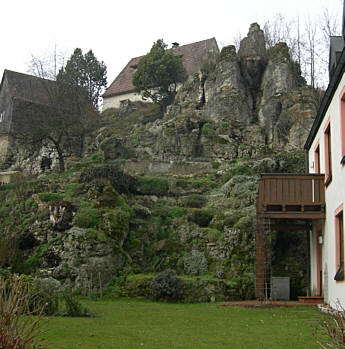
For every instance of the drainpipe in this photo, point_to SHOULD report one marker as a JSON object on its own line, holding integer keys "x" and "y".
{"x": 308, "y": 232}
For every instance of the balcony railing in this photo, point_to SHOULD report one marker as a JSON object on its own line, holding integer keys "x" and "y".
{"x": 291, "y": 196}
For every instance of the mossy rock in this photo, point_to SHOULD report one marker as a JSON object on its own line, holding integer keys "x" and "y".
{"x": 279, "y": 52}
{"x": 228, "y": 53}
{"x": 169, "y": 246}
{"x": 108, "y": 197}
{"x": 116, "y": 224}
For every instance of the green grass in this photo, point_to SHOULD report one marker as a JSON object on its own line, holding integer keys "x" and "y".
{"x": 128, "y": 323}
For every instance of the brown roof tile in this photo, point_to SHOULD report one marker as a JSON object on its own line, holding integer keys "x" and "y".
{"x": 29, "y": 87}
{"x": 192, "y": 58}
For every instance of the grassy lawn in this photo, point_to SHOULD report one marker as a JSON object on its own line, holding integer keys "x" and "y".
{"x": 128, "y": 323}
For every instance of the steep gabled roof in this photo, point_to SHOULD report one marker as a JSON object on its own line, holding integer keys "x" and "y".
{"x": 28, "y": 87}
{"x": 192, "y": 58}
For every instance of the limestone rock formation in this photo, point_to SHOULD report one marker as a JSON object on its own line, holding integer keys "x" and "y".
{"x": 242, "y": 104}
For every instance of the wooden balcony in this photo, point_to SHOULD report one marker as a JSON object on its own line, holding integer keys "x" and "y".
{"x": 291, "y": 196}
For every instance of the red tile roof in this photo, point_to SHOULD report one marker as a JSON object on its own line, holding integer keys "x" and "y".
{"x": 192, "y": 58}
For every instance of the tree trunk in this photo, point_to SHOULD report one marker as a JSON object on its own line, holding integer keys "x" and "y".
{"x": 60, "y": 152}
{"x": 61, "y": 159}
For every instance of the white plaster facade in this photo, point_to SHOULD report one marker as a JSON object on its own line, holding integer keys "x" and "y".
{"x": 115, "y": 101}
{"x": 323, "y": 252}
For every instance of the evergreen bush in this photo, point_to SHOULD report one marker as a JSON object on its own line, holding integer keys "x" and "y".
{"x": 87, "y": 217}
{"x": 202, "y": 217}
{"x": 153, "y": 186}
{"x": 195, "y": 263}
{"x": 167, "y": 287}
{"x": 194, "y": 200}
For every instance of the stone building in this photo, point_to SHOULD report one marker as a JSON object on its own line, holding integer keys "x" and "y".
{"x": 18, "y": 90}
{"x": 193, "y": 56}
{"x": 20, "y": 96}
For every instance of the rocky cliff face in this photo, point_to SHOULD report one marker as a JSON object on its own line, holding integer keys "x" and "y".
{"x": 244, "y": 103}
{"x": 190, "y": 205}
{"x": 240, "y": 104}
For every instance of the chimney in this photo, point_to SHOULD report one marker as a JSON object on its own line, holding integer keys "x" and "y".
{"x": 336, "y": 47}
{"x": 176, "y": 44}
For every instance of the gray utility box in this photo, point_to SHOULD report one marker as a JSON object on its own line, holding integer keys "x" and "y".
{"x": 280, "y": 288}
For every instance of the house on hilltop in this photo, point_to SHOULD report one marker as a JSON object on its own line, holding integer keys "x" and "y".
{"x": 193, "y": 56}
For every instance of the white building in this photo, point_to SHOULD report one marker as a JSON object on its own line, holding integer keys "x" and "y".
{"x": 193, "y": 56}
{"x": 312, "y": 202}
{"x": 326, "y": 154}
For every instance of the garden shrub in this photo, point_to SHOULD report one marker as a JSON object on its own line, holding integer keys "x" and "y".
{"x": 195, "y": 263}
{"x": 194, "y": 201}
{"x": 176, "y": 211}
{"x": 87, "y": 217}
{"x": 122, "y": 183}
{"x": 207, "y": 130}
{"x": 204, "y": 184}
{"x": 167, "y": 287}
{"x": 17, "y": 330}
{"x": 50, "y": 197}
{"x": 31, "y": 205}
{"x": 202, "y": 217}
{"x": 44, "y": 295}
{"x": 97, "y": 157}
{"x": 332, "y": 329}
{"x": 72, "y": 189}
{"x": 153, "y": 186}
{"x": 73, "y": 306}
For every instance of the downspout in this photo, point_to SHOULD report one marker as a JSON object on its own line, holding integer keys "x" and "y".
{"x": 308, "y": 232}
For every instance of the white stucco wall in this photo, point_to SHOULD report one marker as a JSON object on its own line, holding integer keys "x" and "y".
{"x": 335, "y": 196}
{"x": 114, "y": 101}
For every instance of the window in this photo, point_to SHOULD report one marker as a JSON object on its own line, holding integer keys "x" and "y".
{"x": 317, "y": 159}
{"x": 328, "y": 154}
{"x": 342, "y": 125}
{"x": 339, "y": 244}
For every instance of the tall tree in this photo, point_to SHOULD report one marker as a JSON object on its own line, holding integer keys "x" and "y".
{"x": 70, "y": 111}
{"x": 158, "y": 75}
{"x": 85, "y": 71}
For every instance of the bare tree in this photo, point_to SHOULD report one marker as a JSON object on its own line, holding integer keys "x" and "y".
{"x": 310, "y": 47}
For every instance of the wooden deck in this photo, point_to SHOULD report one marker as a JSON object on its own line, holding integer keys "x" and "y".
{"x": 285, "y": 202}
{"x": 291, "y": 196}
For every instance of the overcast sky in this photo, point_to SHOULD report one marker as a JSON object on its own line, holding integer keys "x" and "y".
{"x": 119, "y": 30}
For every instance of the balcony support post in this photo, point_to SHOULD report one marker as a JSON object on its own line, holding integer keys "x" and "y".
{"x": 260, "y": 258}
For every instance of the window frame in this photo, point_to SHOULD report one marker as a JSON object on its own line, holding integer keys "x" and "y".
{"x": 328, "y": 152}
{"x": 317, "y": 158}
{"x": 342, "y": 125}
{"x": 339, "y": 243}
